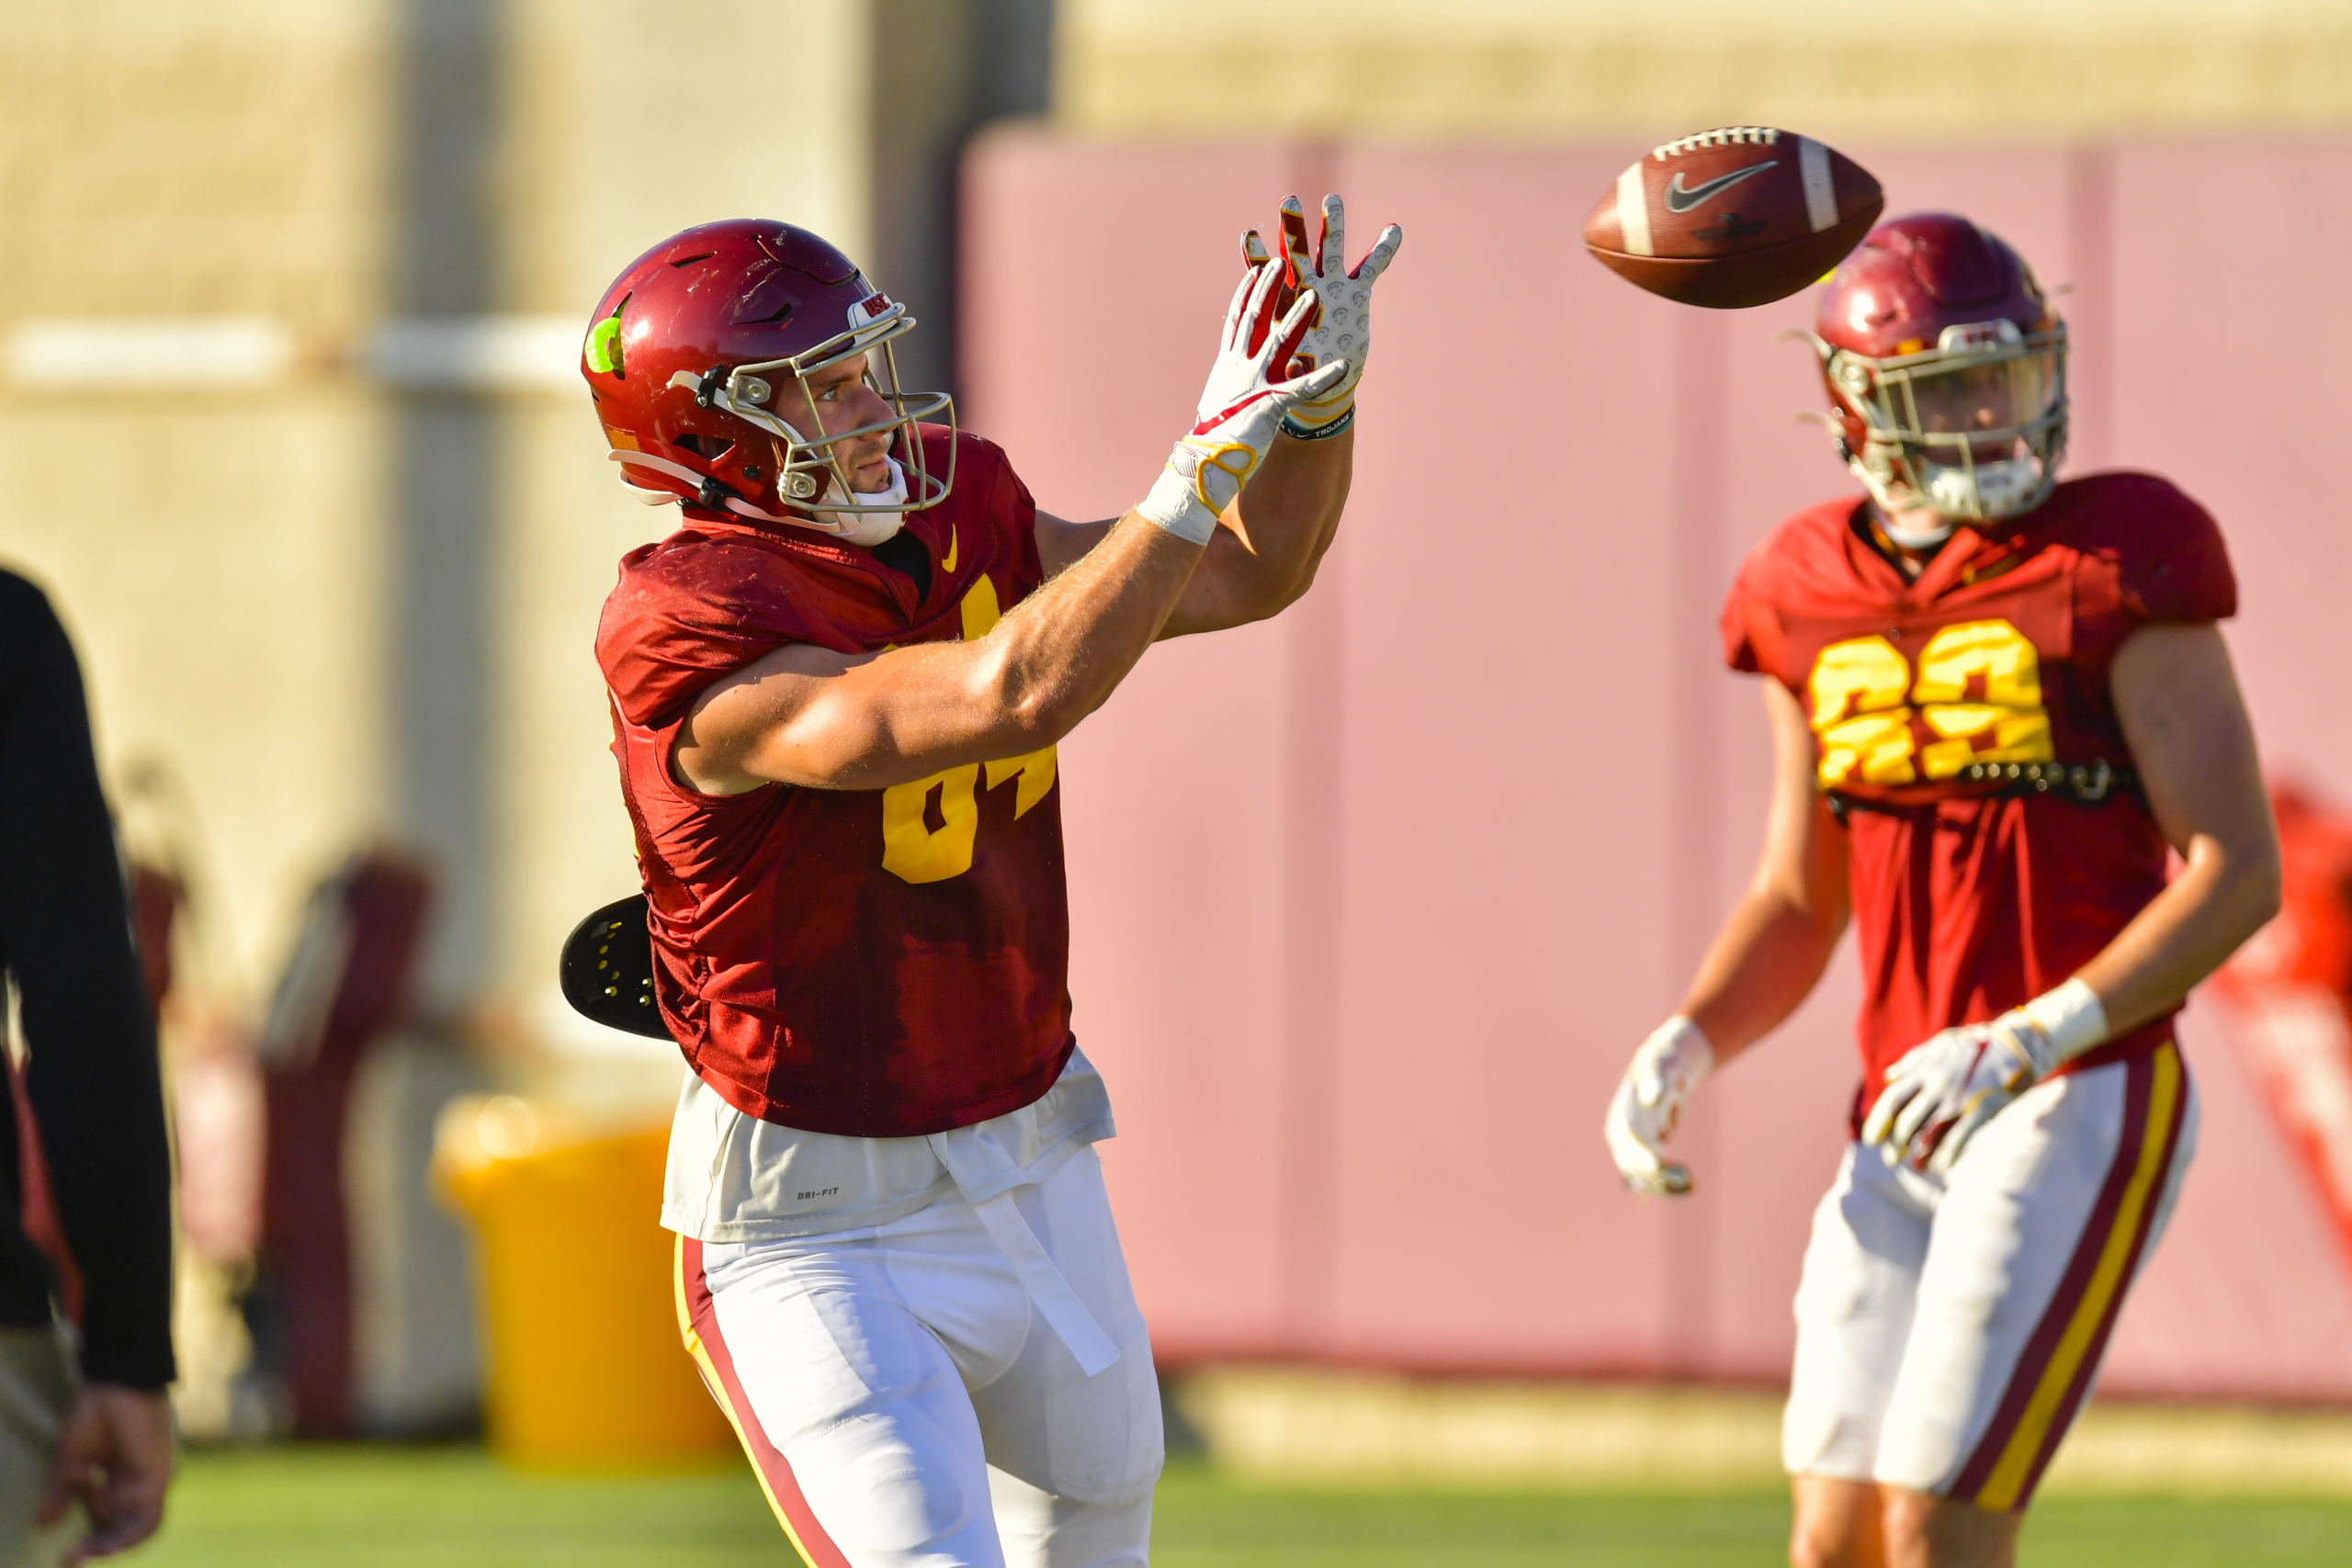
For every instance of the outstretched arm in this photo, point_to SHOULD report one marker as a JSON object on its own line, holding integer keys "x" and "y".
{"x": 813, "y": 717}
{"x": 809, "y": 715}
{"x": 1264, "y": 554}
{"x": 1766, "y": 958}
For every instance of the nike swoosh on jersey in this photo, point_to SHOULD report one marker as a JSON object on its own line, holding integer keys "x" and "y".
{"x": 947, "y": 561}
{"x": 1679, "y": 199}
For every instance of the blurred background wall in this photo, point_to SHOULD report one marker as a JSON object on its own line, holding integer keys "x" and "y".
{"x": 1491, "y": 70}
{"x": 290, "y": 297}
{"x": 1370, "y": 902}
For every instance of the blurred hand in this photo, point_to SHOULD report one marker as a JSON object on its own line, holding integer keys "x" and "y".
{"x": 114, "y": 1453}
{"x": 1940, "y": 1093}
{"x": 1648, "y": 1103}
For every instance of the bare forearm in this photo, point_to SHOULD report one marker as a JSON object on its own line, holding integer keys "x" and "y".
{"x": 2177, "y": 698}
{"x": 1293, "y": 507}
{"x": 1780, "y": 935}
{"x": 2221, "y": 898}
{"x": 1764, "y": 961}
{"x": 1068, "y": 646}
{"x": 1051, "y": 662}
{"x": 1344, "y": 472}
{"x": 1276, "y": 533}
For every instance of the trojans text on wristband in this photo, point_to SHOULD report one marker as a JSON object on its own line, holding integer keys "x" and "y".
{"x": 1321, "y": 432}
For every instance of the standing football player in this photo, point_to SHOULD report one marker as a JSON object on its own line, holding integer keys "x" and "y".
{"x": 837, "y": 690}
{"x": 1996, "y": 702}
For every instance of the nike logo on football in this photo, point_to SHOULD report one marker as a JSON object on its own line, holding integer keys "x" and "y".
{"x": 947, "y": 562}
{"x": 1679, "y": 199}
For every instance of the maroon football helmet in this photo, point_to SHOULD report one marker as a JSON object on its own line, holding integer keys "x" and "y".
{"x": 698, "y": 360}
{"x": 1947, "y": 369}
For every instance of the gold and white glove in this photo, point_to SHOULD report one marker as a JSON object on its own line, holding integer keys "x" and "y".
{"x": 1240, "y": 409}
{"x": 1648, "y": 1103}
{"x": 1938, "y": 1094}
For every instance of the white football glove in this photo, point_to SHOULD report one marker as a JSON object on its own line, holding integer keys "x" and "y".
{"x": 1240, "y": 409}
{"x": 1649, "y": 1101}
{"x": 1341, "y": 325}
{"x": 1938, "y": 1093}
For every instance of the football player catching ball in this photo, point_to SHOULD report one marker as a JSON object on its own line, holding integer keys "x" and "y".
{"x": 1998, "y": 703}
{"x": 836, "y": 692}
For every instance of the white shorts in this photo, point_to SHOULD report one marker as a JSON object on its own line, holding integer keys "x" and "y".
{"x": 905, "y": 1402}
{"x": 1947, "y": 1330}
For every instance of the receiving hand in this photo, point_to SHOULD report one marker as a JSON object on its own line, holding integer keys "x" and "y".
{"x": 1340, "y": 327}
{"x": 1240, "y": 409}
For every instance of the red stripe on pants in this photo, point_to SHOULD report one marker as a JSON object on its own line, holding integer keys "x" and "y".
{"x": 2034, "y": 1365}
{"x": 699, "y": 1311}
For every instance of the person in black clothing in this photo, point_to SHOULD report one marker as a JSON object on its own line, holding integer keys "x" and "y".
{"x": 88, "y": 1411}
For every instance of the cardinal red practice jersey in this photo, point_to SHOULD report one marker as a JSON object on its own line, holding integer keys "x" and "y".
{"x": 873, "y": 963}
{"x": 1968, "y": 902}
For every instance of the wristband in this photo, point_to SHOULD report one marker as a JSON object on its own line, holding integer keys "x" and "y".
{"x": 1297, "y": 432}
{"x": 2057, "y": 1025}
{"x": 1689, "y": 1044}
{"x": 1678, "y": 1055}
{"x": 2070, "y": 1017}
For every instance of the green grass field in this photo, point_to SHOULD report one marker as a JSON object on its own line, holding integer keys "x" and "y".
{"x": 455, "y": 1508}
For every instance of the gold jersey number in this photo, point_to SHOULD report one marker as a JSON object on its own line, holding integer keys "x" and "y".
{"x": 915, "y": 850}
{"x": 1977, "y": 691}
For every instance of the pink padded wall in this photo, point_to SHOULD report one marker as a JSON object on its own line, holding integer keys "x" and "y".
{"x": 1372, "y": 901}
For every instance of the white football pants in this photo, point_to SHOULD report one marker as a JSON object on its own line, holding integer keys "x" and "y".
{"x": 1949, "y": 1328}
{"x": 905, "y": 1400}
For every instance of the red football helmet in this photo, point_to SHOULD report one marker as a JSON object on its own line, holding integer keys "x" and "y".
{"x": 1947, "y": 369}
{"x": 692, "y": 359}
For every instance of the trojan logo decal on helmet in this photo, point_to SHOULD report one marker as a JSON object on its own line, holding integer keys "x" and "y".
{"x": 1947, "y": 372}
{"x": 699, "y": 358}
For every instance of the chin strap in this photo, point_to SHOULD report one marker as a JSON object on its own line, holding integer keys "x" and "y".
{"x": 862, "y": 528}
{"x": 893, "y": 495}
{"x": 1915, "y": 539}
{"x": 1883, "y": 515}
{"x": 1987, "y": 493}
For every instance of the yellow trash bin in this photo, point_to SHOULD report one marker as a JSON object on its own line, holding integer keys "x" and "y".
{"x": 578, "y": 1302}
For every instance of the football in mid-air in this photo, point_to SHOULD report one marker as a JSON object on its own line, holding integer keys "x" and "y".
{"x": 1727, "y": 219}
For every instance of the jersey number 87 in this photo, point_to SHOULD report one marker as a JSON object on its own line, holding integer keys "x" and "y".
{"x": 928, "y": 839}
